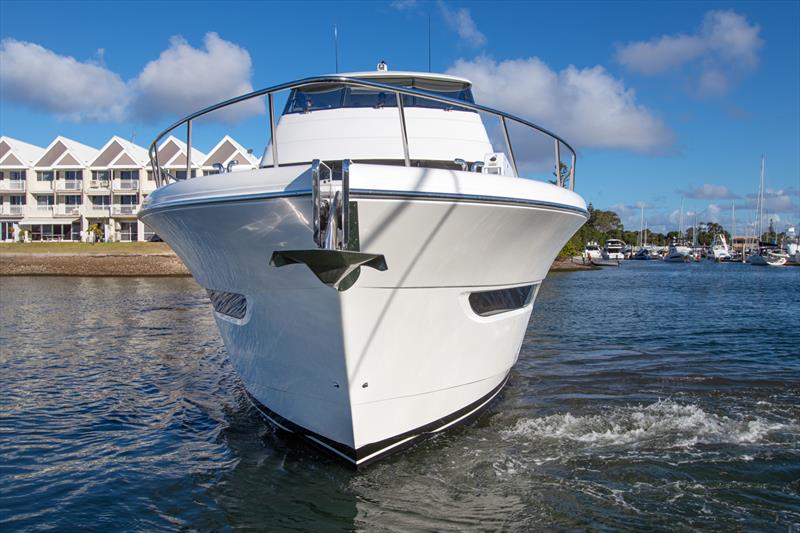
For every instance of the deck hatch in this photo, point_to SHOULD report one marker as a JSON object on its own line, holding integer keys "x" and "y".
{"x": 488, "y": 303}
{"x": 228, "y": 303}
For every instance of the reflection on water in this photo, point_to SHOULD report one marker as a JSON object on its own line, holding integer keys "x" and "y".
{"x": 652, "y": 394}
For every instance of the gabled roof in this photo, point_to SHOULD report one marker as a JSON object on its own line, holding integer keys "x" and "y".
{"x": 66, "y": 153}
{"x": 226, "y": 150}
{"x": 15, "y": 153}
{"x": 118, "y": 152}
{"x": 172, "y": 154}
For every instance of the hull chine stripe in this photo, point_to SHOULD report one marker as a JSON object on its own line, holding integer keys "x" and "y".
{"x": 370, "y": 453}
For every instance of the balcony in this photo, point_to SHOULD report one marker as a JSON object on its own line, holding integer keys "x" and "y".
{"x": 43, "y": 210}
{"x": 42, "y": 185}
{"x": 63, "y": 210}
{"x": 8, "y": 210}
{"x": 100, "y": 184}
{"x": 68, "y": 185}
{"x": 12, "y": 185}
{"x": 124, "y": 210}
{"x": 125, "y": 185}
{"x": 98, "y": 210}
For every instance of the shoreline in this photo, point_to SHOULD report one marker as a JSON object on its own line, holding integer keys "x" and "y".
{"x": 156, "y": 263}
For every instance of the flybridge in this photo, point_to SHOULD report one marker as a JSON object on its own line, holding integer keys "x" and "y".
{"x": 383, "y": 99}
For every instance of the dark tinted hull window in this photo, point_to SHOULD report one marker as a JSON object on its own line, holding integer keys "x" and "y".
{"x": 488, "y": 303}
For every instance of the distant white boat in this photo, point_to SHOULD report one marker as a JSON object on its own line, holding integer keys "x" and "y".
{"x": 791, "y": 246}
{"x": 592, "y": 250}
{"x": 719, "y": 250}
{"x": 768, "y": 257}
{"x": 678, "y": 253}
{"x": 613, "y": 249}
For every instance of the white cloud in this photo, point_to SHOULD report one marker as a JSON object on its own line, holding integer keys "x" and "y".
{"x": 708, "y": 191}
{"x": 725, "y": 46}
{"x": 183, "y": 79}
{"x": 775, "y": 201}
{"x": 461, "y": 21}
{"x": 587, "y": 107}
{"x": 403, "y": 5}
{"x": 41, "y": 79}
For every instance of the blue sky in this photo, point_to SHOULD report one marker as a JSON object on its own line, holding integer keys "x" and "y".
{"x": 662, "y": 100}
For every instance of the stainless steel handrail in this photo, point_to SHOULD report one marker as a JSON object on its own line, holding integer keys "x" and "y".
{"x": 363, "y": 83}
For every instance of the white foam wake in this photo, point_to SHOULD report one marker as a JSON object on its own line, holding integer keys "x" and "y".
{"x": 663, "y": 423}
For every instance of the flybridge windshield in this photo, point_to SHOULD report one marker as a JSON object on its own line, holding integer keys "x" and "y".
{"x": 310, "y": 99}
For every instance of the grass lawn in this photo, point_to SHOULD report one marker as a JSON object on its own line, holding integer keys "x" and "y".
{"x": 84, "y": 247}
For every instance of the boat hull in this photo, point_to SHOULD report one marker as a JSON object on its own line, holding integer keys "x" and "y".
{"x": 402, "y": 353}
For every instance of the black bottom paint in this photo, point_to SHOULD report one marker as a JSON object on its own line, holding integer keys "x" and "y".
{"x": 379, "y": 450}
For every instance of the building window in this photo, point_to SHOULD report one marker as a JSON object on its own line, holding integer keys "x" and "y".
{"x": 181, "y": 174}
{"x": 101, "y": 175}
{"x": 44, "y": 201}
{"x": 129, "y": 174}
{"x": 128, "y": 231}
{"x": 73, "y": 175}
{"x": 100, "y": 201}
{"x": 17, "y": 200}
{"x": 17, "y": 175}
{"x": 44, "y": 175}
{"x": 129, "y": 199}
{"x": 72, "y": 200}
{"x": 150, "y": 176}
{"x": 211, "y": 172}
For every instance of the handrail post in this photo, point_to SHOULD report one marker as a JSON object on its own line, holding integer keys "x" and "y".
{"x": 558, "y": 163}
{"x": 188, "y": 149}
{"x": 572, "y": 173}
{"x": 510, "y": 149}
{"x": 345, "y": 202}
{"x": 403, "y": 131}
{"x": 273, "y": 131}
{"x": 315, "y": 164}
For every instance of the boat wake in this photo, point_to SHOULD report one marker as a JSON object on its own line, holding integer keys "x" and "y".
{"x": 663, "y": 424}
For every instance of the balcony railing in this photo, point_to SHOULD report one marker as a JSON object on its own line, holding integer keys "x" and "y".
{"x": 98, "y": 210}
{"x": 12, "y": 185}
{"x": 124, "y": 209}
{"x": 42, "y": 185}
{"x": 126, "y": 185}
{"x": 44, "y": 210}
{"x": 67, "y": 210}
{"x": 11, "y": 210}
{"x": 68, "y": 185}
{"x": 99, "y": 184}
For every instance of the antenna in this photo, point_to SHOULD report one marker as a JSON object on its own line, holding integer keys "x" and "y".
{"x": 336, "y": 46}
{"x": 429, "y": 42}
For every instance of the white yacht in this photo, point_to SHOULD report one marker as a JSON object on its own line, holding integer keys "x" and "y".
{"x": 592, "y": 250}
{"x": 373, "y": 280}
{"x": 613, "y": 249}
{"x": 678, "y": 253}
{"x": 768, "y": 255}
{"x": 791, "y": 246}
{"x": 719, "y": 250}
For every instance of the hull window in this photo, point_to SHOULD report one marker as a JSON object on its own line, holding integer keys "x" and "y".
{"x": 228, "y": 303}
{"x": 488, "y": 303}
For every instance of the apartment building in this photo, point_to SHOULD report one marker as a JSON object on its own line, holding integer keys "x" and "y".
{"x": 69, "y": 191}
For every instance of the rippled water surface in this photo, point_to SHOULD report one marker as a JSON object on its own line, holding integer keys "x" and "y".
{"x": 648, "y": 396}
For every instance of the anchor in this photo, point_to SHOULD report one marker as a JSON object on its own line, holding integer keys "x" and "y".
{"x": 338, "y": 261}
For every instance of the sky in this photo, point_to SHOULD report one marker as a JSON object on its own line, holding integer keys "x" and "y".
{"x": 665, "y": 102}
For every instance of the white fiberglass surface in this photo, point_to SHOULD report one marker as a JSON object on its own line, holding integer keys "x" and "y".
{"x": 365, "y": 177}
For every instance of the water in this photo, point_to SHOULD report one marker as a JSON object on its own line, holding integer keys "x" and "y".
{"x": 652, "y": 396}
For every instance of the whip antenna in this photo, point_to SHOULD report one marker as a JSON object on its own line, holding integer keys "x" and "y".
{"x": 336, "y": 46}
